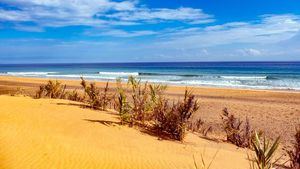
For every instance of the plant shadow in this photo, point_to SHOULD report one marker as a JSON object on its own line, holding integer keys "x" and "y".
{"x": 103, "y": 122}
{"x": 145, "y": 130}
{"x": 153, "y": 132}
{"x": 85, "y": 106}
{"x": 75, "y": 104}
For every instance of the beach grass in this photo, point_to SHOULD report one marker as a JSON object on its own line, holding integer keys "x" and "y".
{"x": 264, "y": 152}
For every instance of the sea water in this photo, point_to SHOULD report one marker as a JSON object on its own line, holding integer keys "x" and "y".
{"x": 252, "y": 75}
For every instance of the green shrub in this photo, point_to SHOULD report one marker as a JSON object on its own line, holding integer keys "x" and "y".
{"x": 172, "y": 119}
{"x": 141, "y": 105}
{"x": 235, "y": 132}
{"x": 156, "y": 93}
{"x": 53, "y": 89}
{"x": 97, "y": 99}
{"x": 138, "y": 108}
{"x": 74, "y": 96}
{"x": 122, "y": 105}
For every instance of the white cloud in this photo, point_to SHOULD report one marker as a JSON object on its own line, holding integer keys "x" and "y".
{"x": 204, "y": 52}
{"x": 28, "y": 28}
{"x": 14, "y": 15}
{"x": 59, "y": 13}
{"x": 270, "y": 29}
{"x": 195, "y": 16}
{"x": 269, "y": 35}
{"x": 250, "y": 52}
{"x": 119, "y": 33}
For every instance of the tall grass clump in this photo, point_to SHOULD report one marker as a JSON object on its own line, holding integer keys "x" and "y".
{"x": 236, "y": 133}
{"x": 156, "y": 93}
{"x": 264, "y": 152}
{"x": 171, "y": 119}
{"x": 144, "y": 99}
{"x": 97, "y": 99}
{"x": 146, "y": 106}
{"x": 74, "y": 95}
{"x": 294, "y": 154}
{"x": 122, "y": 104}
{"x": 136, "y": 106}
{"x": 53, "y": 89}
{"x": 140, "y": 98}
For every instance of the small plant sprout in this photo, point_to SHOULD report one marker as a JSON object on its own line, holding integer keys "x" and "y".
{"x": 264, "y": 152}
{"x": 204, "y": 164}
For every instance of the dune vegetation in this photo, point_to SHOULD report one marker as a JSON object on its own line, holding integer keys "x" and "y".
{"x": 145, "y": 106}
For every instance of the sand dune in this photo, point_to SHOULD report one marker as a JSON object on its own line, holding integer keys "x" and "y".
{"x": 41, "y": 134}
{"x": 277, "y": 113}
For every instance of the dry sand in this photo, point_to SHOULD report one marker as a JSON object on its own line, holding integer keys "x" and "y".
{"x": 60, "y": 134}
{"x": 274, "y": 112}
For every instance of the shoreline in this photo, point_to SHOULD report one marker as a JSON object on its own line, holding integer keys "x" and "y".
{"x": 45, "y": 79}
{"x": 249, "y": 95}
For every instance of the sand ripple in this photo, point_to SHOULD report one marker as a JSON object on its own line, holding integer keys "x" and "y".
{"x": 42, "y": 134}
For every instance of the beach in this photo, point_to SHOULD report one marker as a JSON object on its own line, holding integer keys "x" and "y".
{"x": 130, "y": 84}
{"x": 276, "y": 113}
{"x": 55, "y": 133}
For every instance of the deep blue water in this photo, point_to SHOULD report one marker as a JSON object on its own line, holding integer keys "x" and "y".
{"x": 258, "y": 75}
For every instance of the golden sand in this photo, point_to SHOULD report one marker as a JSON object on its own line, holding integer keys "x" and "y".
{"x": 277, "y": 113}
{"x": 60, "y": 134}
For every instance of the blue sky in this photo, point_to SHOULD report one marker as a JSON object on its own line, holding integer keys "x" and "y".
{"x": 50, "y": 31}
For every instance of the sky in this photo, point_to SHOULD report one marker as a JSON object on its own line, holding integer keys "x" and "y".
{"x": 85, "y": 31}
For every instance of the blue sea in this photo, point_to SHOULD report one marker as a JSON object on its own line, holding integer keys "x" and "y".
{"x": 250, "y": 75}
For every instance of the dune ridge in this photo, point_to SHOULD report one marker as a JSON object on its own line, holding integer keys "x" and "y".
{"x": 61, "y": 134}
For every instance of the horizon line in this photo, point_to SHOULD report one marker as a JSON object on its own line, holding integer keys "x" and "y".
{"x": 150, "y": 62}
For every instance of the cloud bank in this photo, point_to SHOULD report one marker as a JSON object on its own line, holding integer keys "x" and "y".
{"x": 60, "y": 13}
{"x": 131, "y": 31}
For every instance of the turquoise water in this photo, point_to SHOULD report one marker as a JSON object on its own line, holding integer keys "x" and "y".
{"x": 253, "y": 75}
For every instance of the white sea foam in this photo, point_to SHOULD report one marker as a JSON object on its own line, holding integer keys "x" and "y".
{"x": 230, "y": 81}
{"x": 119, "y": 73}
{"x": 244, "y": 77}
{"x": 87, "y": 76}
{"x": 28, "y": 73}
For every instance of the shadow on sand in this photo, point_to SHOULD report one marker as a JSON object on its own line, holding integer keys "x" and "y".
{"x": 103, "y": 122}
{"x": 145, "y": 130}
{"x": 81, "y": 105}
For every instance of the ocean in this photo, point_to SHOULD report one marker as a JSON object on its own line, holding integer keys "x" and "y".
{"x": 249, "y": 75}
